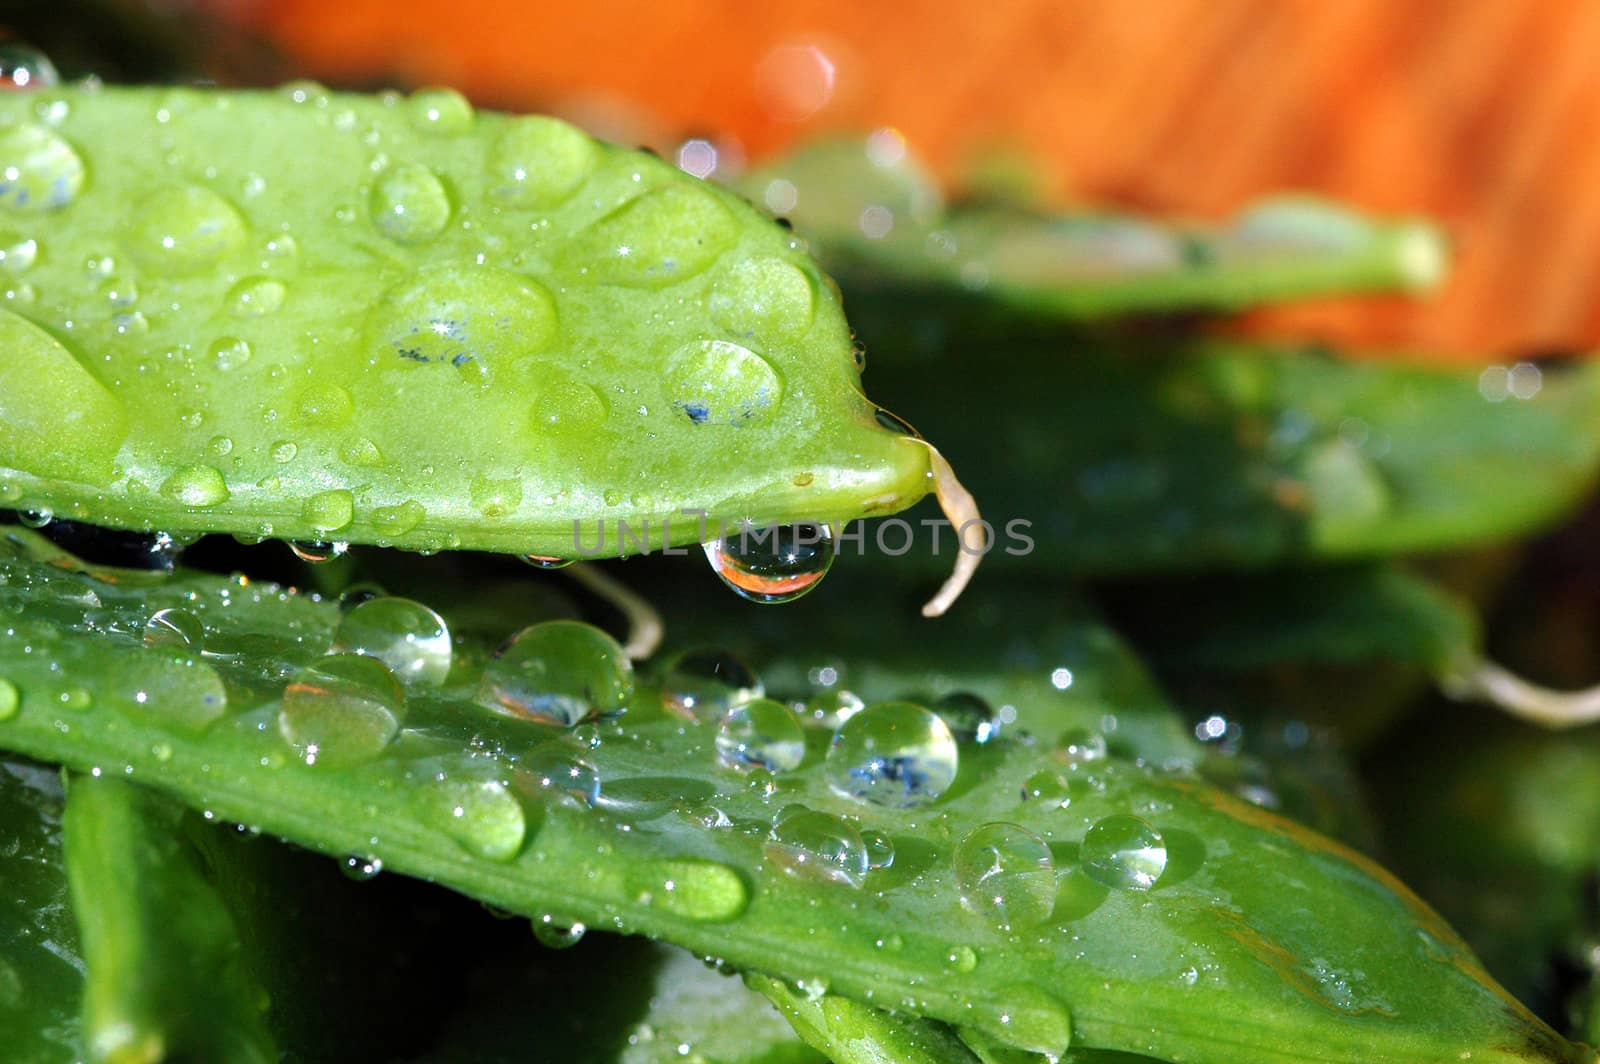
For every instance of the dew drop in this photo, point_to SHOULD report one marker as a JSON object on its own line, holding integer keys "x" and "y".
{"x": 341, "y": 709}
{"x": 317, "y": 551}
{"x": 17, "y": 252}
{"x": 481, "y": 814}
{"x": 705, "y": 684}
{"x": 830, "y": 709}
{"x": 961, "y": 959}
{"x": 1080, "y": 746}
{"x": 470, "y": 319}
{"x": 778, "y": 563}
{"x": 718, "y": 382}
{"x": 1124, "y": 852}
{"x": 558, "y": 672}
{"x": 195, "y": 485}
{"x": 24, "y": 68}
{"x": 569, "y": 406}
{"x": 405, "y": 635}
{"x": 329, "y": 511}
{"x": 970, "y": 717}
{"x": 538, "y": 162}
{"x": 10, "y": 700}
{"x": 551, "y": 770}
{"x": 184, "y": 230}
{"x": 880, "y": 849}
{"x": 764, "y": 299}
{"x": 36, "y": 518}
{"x": 704, "y": 891}
{"x": 170, "y": 692}
{"x": 175, "y": 629}
{"x": 761, "y": 733}
{"x": 76, "y": 698}
{"x": 546, "y": 561}
{"x": 1027, "y": 1017}
{"x": 398, "y": 520}
{"x": 256, "y": 297}
{"x": 444, "y": 112}
{"x": 408, "y": 204}
{"x": 659, "y": 239}
{"x": 39, "y": 171}
{"x": 325, "y": 404}
{"x": 361, "y": 869}
{"x": 895, "y": 754}
{"x": 1006, "y": 875}
{"x": 813, "y": 845}
{"x": 554, "y": 934}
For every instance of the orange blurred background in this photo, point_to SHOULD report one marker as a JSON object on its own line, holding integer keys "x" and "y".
{"x": 1482, "y": 113}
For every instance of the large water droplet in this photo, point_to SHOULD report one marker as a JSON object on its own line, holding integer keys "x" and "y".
{"x": 893, "y": 753}
{"x": 342, "y": 709}
{"x": 469, "y": 320}
{"x": 1124, "y": 852}
{"x": 813, "y": 845}
{"x": 538, "y": 162}
{"x": 970, "y": 717}
{"x": 408, "y": 204}
{"x": 480, "y": 813}
{"x": 659, "y": 239}
{"x": 24, "y": 68}
{"x": 558, "y": 672}
{"x": 405, "y": 635}
{"x": 443, "y": 112}
{"x": 705, "y": 684}
{"x": 170, "y": 692}
{"x": 174, "y": 629}
{"x": 764, "y": 299}
{"x": 185, "y": 230}
{"x": 704, "y": 891}
{"x": 717, "y": 382}
{"x": 195, "y": 485}
{"x": 778, "y": 563}
{"x": 761, "y": 733}
{"x": 38, "y": 170}
{"x": 329, "y": 511}
{"x": 1006, "y": 875}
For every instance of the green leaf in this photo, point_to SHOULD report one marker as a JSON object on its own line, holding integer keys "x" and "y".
{"x": 1300, "y": 942}
{"x": 852, "y": 1033}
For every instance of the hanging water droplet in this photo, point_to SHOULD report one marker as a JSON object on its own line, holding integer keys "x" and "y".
{"x": 408, "y": 204}
{"x": 705, "y": 684}
{"x": 361, "y": 869}
{"x": 405, "y": 635}
{"x": 10, "y": 700}
{"x": 555, "y": 771}
{"x": 256, "y": 297}
{"x": 761, "y": 733}
{"x": 182, "y": 231}
{"x": 557, "y": 934}
{"x": 341, "y": 709}
{"x": 24, "y": 68}
{"x": 1124, "y": 852}
{"x": 778, "y": 563}
{"x": 444, "y": 112}
{"x": 718, "y": 382}
{"x": 895, "y": 754}
{"x": 705, "y": 891}
{"x": 1006, "y": 875}
{"x": 970, "y": 717}
{"x": 174, "y": 628}
{"x": 813, "y": 845}
{"x": 558, "y": 672}
{"x": 480, "y": 813}
{"x": 36, "y": 518}
{"x": 39, "y": 171}
{"x": 196, "y": 485}
{"x": 546, "y": 561}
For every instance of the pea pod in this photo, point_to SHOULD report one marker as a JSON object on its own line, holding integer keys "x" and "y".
{"x": 464, "y": 331}
{"x": 876, "y": 218}
{"x": 667, "y": 825}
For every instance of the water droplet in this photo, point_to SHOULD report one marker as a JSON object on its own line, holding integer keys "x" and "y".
{"x": 256, "y": 297}
{"x": 705, "y": 684}
{"x": 325, "y": 404}
{"x": 569, "y": 406}
{"x": 1048, "y": 788}
{"x": 830, "y": 709}
{"x": 554, "y": 934}
{"x": 761, "y": 733}
{"x": 658, "y": 239}
{"x": 778, "y": 563}
{"x": 341, "y": 709}
{"x": 700, "y": 890}
{"x": 444, "y": 112}
{"x": 38, "y": 518}
{"x": 408, "y": 204}
{"x": 75, "y": 698}
{"x": 970, "y": 717}
{"x": 17, "y": 252}
{"x": 558, "y": 672}
{"x": 555, "y": 771}
{"x": 1080, "y": 746}
{"x": 538, "y": 162}
{"x": 718, "y": 382}
{"x": 894, "y": 754}
{"x": 961, "y": 959}
{"x": 10, "y": 700}
{"x": 170, "y": 692}
{"x": 880, "y": 849}
{"x": 1006, "y": 875}
{"x": 398, "y": 520}
{"x": 1124, "y": 852}
{"x": 361, "y": 869}
{"x": 764, "y": 299}
{"x": 405, "y": 635}
{"x": 195, "y": 485}
{"x": 24, "y": 68}
{"x": 174, "y": 628}
{"x": 546, "y": 561}
{"x": 480, "y": 813}
{"x": 494, "y": 497}
{"x": 813, "y": 845}
{"x": 473, "y": 320}
{"x": 316, "y": 551}
{"x": 329, "y": 511}
{"x": 39, "y": 171}
{"x": 186, "y": 230}
{"x": 1029, "y": 1018}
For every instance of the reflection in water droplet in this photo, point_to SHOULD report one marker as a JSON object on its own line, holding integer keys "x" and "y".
{"x": 479, "y": 812}
{"x": 558, "y": 672}
{"x": 553, "y": 934}
{"x": 24, "y": 68}
{"x": 813, "y": 845}
{"x": 408, "y": 204}
{"x": 704, "y": 891}
{"x": 894, "y": 754}
{"x": 405, "y": 635}
{"x": 705, "y": 684}
{"x": 174, "y": 628}
{"x": 342, "y": 709}
{"x": 718, "y": 382}
{"x": 1006, "y": 875}
{"x": 195, "y": 485}
{"x": 1124, "y": 852}
{"x": 184, "y": 230}
{"x": 38, "y": 170}
{"x": 761, "y": 733}
{"x": 970, "y": 717}
{"x": 552, "y": 770}
{"x": 778, "y": 563}
{"x": 317, "y": 551}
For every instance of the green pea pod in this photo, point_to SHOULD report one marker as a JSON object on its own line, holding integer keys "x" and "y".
{"x": 41, "y": 966}
{"x": 994, "y": 886}
{"x": 875, "y": 217}
{"x": 391, "y": 320}
{"x": 165, "y": 976}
